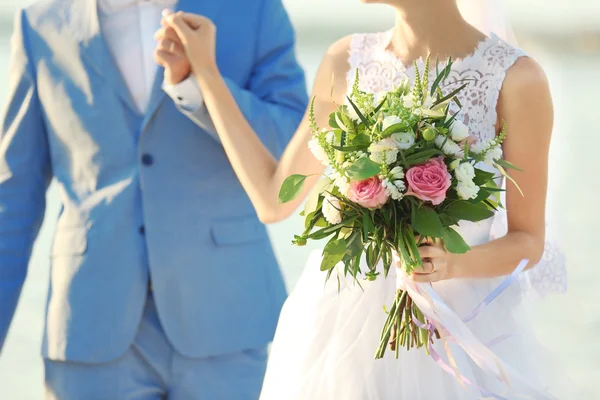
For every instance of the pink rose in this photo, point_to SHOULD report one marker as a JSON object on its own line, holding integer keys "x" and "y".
{"x": 429, "y": 181}
{"x": 369, "y": 193}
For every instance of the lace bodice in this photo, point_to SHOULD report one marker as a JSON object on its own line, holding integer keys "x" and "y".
{"x": 484, "y": 70}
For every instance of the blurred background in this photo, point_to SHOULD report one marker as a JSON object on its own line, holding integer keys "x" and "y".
{"x": 564, "y": 36}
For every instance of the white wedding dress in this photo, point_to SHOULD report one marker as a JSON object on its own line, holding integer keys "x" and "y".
{"x": 327, "y": 336}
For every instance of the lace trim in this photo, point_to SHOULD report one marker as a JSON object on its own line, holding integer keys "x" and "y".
{"x": 485, "y": 68}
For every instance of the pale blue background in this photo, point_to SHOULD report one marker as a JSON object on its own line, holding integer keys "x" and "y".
{"x": 565, "y": 37}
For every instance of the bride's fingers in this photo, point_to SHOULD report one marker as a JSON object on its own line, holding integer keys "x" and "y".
{"x": 179, "y": 25}
{"x": 427, "y": 268}
{"x": 426, "y": 278}
{"x": 431, "y": 251}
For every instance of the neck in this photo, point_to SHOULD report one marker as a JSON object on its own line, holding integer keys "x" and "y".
{"x": 434, "y": 27}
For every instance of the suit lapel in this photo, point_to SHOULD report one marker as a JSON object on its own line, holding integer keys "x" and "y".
{"x": 207, "y": 8}
{"x": 93, "y": 48}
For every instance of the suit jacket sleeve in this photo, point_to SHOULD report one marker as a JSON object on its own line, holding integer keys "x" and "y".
{"x": 275, "y": 98}
{"x": 24, "y": 175}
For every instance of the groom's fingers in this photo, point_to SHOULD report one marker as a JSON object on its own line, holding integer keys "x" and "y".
{"x": 166, "y": 33}
{"x": 170, "y": 46}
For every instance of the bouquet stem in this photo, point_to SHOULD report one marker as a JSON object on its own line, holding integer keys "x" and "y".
{"x": 406, "y": 327}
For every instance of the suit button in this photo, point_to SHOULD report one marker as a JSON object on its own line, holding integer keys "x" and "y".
{"x": 142, "y": 230}
{"x": 147, "y": 159}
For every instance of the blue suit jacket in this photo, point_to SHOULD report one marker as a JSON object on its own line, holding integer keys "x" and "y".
{"x": 143, "y": 196}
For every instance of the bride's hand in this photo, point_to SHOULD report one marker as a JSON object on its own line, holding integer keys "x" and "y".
{"x": 198, "y": 36}
{"x": 436, "y": 261}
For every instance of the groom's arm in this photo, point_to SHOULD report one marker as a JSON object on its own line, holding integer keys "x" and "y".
{"x": 275, "y": 99}
{"x": 25, "y": 174}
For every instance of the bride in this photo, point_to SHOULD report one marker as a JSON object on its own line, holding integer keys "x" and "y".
{"x": 327, "y": 335}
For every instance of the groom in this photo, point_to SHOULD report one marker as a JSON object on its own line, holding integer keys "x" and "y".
{"x": 163, "y": 282}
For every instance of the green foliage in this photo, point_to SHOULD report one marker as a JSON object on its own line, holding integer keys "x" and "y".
{"x": 363, "y": 169}
{"x": 291, "y": 188}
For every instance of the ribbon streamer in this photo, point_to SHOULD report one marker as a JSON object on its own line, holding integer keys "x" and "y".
{"x": 439, "y": 315}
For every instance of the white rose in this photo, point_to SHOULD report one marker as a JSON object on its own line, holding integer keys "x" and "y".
{"x": 395, "y": 189}
{"x": 378, "y": 98}
{"x": 404, "y": 140}
{"x": 397, "y": 173}
{"x": 428, "y": 103}
{"x": 342, "y": 183}
{"x": 319, "y": 152}
{"x": 408, "y": 101}
{"x": 331, "y": 210}
{"x": 459, "y": 131}
{"x": 493, "y": 154}
{"x": 390, "y": 121}
{"x": 465, "y": 172}
{"x": 387, "y": 147}
{"x": 448, "y": 147}
{"x": 480, "y": 146}
{"x": 330, "y": 137}
{"x": 467, "y": 190}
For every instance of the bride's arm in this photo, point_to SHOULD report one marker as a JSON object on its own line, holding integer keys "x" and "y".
{"x": 525, "y": 105}
{"x": 259, "y": 172}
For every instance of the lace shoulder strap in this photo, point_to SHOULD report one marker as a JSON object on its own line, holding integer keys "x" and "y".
{"x": 498, "y": 57}
{"x": 365, "y": 56}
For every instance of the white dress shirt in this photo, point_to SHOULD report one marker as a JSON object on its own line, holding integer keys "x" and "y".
{"x": 128, "y": 26}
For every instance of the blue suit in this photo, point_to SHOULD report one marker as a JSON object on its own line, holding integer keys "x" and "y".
{"x": 144, "y": 197}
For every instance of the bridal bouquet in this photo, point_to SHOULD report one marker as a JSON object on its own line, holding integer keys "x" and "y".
{"x": 402, "y": 172}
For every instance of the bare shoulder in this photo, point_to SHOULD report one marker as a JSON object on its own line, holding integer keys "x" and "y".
{"x": 332, "y": 76}
{"x": 525, "y": 100}
{"x": 525, "y": 77}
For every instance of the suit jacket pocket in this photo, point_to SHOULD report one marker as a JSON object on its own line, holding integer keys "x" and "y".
{"x": 69, "y": 242}
{"x": 237, "y": 231}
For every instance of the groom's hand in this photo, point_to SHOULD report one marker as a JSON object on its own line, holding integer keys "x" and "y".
{"x": 170, "y": 54}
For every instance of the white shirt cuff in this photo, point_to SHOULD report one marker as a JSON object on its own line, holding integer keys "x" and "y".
{"x": 186, "y": 94}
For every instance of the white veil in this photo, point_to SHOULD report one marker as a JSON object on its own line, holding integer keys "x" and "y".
{"x": 489, "y": 16}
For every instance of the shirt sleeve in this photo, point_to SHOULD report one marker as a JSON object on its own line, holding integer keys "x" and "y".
{"x": 186, "y": 94}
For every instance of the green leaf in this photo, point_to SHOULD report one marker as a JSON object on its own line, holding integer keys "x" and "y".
{"x": 448, "y": 220}
{"x": 439, "y": 79}
{"x": 376, "y": 110}
{"x": 352, "y": 147}
{"x": 424, "y": 154}
{"x": 481, "y": 196}
{"x": 291, "y": 188}
{"x": 426, "y": 221}
{"x": 312, "y": 202}
{"x": 508, "y": 165}
{"x": 399, "y": 127}
{"x": 454, "y": 242}
{"x": 354, "y": 246}
{"x": 463, "y": 210}
{"x": 482, "y": 177}
{"x": 451, "y": 95}
{"x": 363, "y": 169}
{"x": 510, "y": 178}
{"x": 368, "y": 226}
{"x": 332, "y": 121}
{"x": 333, "y": 253}
{"x": 358, "y": 112}
{"x": 432, "y": 113}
